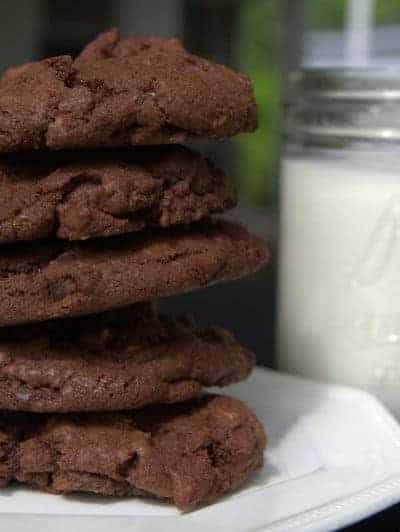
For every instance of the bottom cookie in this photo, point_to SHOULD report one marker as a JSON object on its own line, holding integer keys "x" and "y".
{"x": 190, "y": 453}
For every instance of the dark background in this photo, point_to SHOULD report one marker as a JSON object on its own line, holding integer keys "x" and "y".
{"x": 265, "y": 38}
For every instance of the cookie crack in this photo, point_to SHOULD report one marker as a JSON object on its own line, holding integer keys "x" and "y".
{"x": 84, "y": 178}
{"x": 36, "y": 266}
{"x": 125, "y": 468}
{"x": 98, "y": 89}
{"x": 177, "y": 256}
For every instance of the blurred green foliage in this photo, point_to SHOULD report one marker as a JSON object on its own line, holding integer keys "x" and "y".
{"x": 387, "y": 12}
{"x": 260, "y": 54}
{"x": 326, "y": 14}
{"x": 331, "y": 14}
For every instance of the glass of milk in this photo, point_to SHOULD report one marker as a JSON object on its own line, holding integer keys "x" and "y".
{"x": 339, "y": 264}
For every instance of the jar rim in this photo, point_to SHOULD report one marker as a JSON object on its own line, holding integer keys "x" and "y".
{"x": 339, "y": 105}
{"x": 380, "y": 83}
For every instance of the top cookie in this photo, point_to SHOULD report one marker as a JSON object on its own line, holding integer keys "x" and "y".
{"x": 122, "y": 92}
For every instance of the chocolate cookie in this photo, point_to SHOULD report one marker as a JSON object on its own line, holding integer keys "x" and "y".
{"x": 51, "y": 279}
{"x": 114, "y": 361}
{"x": 190, "y": 453}
{"x": 79, "y": 196}
{"x": 122, "y": 92}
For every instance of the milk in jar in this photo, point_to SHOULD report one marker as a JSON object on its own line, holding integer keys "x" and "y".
{"x": 339, "y": 257}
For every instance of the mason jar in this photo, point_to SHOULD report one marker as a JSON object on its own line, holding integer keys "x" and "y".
{"x": 339, "y": 259}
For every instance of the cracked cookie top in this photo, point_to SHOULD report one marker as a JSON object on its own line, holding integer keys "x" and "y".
{"x": 76, "y": 196}
{"x": 122, "y": 92}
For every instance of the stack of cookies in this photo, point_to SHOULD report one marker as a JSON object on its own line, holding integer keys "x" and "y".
{"x": 101, "y": 214}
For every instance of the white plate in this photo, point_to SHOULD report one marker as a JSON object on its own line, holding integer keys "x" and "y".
{"x": 333, "y": 458}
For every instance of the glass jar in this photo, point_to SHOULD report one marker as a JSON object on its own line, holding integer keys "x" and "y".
{"x": 339, "y": 265}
